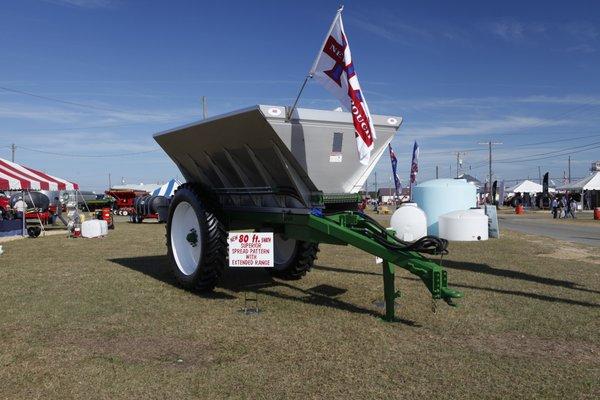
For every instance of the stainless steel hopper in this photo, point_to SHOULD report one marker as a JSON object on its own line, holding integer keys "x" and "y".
{"x": 255, "y": 158}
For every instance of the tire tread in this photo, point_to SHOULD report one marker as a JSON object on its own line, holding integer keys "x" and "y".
{"x": 304, "y": 260}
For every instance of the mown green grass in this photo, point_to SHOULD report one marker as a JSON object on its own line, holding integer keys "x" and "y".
{"x": 84, "y": 318}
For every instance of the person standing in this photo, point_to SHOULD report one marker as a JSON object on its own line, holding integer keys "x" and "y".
{"x": 564, "y": 204}
{"x": 572, "y": 207}
{"x": 587, "y": 205}
{"x": 59, "y": 211}
{"x": 554, "y": 206}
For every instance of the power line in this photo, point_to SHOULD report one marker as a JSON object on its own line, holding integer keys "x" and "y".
{"x": 562, "y": 154}
{"x": 72, "y": 103}
{"x": 528, "y": 159}
{"x": 515, "y": 145}
{"x": 90, "y": 155}
{"x": 81, "y": 128}
{"x": 505, "y": 160}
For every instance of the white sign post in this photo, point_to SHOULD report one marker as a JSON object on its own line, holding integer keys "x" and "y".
{"x": 251, "y": 249}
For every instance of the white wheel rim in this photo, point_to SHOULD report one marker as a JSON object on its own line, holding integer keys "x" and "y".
{"x": 283, "y": 250}
{"x": 186, "y": 238}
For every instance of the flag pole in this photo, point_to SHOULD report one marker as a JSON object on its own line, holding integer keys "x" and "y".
{"x": 289, "y": 115}
{"x": 312, "y": 70}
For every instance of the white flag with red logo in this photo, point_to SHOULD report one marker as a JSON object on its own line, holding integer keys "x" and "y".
{"x": 333, "y": 68}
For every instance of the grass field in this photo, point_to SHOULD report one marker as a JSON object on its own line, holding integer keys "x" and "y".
{"x": 101, "y": 318}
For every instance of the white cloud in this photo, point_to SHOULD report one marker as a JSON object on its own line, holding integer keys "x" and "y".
{"x": 583, "y": 48}
{"x": 85, "y": 3}
{"x": 87, "y": 117}
{"x": 50, "y": 114}
{"x": 583, "y": 30}
{"x": 568, "y": 99}
{"x": 390, "y": 26}
{"x": 482, "y": 127}
{"x": 513, "y": 30}
{"x": 494, "y": 102}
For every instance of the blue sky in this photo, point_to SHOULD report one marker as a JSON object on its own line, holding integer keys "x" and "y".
{"x": 524, "y": 73}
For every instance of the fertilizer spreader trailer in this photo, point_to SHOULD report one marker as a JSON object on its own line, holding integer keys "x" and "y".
{"x": 256, "y": 170}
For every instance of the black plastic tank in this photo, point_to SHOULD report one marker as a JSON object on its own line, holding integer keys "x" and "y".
{"x": 32, "y": 199}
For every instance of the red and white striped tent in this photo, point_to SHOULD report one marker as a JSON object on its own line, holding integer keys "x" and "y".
{"x": 18, "y": 177}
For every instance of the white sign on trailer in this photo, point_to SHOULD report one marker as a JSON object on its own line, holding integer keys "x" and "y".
{"x": 251, "y": 249}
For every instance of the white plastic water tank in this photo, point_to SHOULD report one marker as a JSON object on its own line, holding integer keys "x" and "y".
{"x": 91, "y": 228}
{"x": 467, "y": 225}
{"x": 440, "y": 196}
{"x": 103, "y": 227}
{"x": 409, "y": 222}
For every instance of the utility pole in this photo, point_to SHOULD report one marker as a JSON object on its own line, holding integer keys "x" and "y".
{"x": 569, "y": 169}
{"x": 540, "y": 174}
{"x": 109, "y": 182}
{"x": 204, "y": 114}
{"x": 490, "y": 144}
{"x": 13, "y": 148}
{"x": 375, "y": 181}
{"x": 459, "y": 162}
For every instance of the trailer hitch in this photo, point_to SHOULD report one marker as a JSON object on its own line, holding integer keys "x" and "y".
{"x": 363, "y": 232}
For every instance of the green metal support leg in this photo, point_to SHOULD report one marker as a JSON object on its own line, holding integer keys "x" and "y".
{"x": 389, "y": 291}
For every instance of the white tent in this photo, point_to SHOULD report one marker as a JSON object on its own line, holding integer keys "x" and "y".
{"x": 527, "y": 186}
{"x": 591, "y": 182}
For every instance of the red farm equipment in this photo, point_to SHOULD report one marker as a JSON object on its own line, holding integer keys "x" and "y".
{"x": 124, "y": 200}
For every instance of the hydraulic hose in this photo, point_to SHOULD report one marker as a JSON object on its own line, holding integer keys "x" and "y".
{"x": 427, "y": 244}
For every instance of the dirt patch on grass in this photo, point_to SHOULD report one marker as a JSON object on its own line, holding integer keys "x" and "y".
{"x": 573, "y": 254}
{"x": 518, "y": 345}
{"x": 137, "y": 350}
{"x": 568, "y": 252}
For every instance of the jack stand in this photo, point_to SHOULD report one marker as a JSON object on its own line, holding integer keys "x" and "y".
{"x": 247, "y": 310}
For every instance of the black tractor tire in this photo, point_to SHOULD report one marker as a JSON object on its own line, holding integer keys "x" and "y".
{"x": 34, "y": 231}
{"x": 301, "y": 261}
{"x": 197, "y": 248}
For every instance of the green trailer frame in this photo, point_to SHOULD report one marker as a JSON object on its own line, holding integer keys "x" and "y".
{"x": 351, "y": 228}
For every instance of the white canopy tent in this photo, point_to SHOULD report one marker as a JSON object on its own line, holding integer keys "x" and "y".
{"x": 591, "y": 182}
{"x": 528, "y": 186}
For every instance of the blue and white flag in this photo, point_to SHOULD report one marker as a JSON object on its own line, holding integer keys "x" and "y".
{"x": 397, "y": 184}
{"x": 414, "y": 165}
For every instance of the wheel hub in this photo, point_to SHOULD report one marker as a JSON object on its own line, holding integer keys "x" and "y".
{"x": 284, "y": 250}
{"x": 192, "y": 237}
